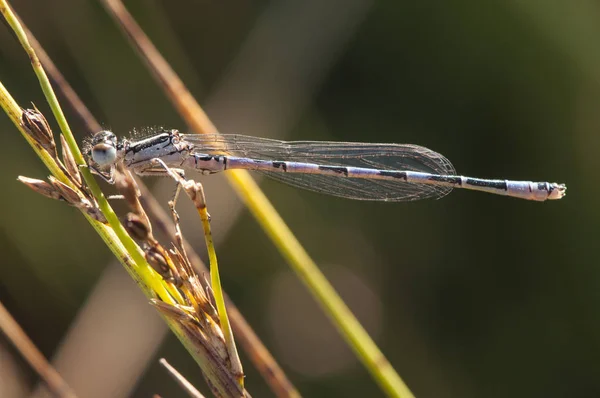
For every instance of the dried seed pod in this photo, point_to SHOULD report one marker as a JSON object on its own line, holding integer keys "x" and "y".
{"x": 41, "y": 187}
{"x": 158, "y": 261}
{"x": 126, "y": 185}
{"x": 69, "y": 161}
{"x": 58, "y": 191}
{"x": 137, "y": 227}
{"x": 69, "y": 194}
{"x": 36, "y": 125}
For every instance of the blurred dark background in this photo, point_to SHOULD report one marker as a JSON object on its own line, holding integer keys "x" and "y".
{"x": 471, "y": 296}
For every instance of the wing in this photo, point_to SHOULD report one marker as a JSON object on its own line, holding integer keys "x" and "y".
{"x": 376, "y": 156}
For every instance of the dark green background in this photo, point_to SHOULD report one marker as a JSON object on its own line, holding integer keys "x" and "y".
{"x": 471, "y": 296}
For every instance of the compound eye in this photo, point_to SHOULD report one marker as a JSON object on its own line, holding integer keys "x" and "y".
{"x": 104, "y": 148}
{"x": 104, "y": 154}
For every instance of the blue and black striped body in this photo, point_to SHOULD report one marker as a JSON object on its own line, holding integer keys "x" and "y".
{"x": 538, "y": 191}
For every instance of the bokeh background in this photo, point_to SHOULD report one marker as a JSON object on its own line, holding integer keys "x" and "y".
{"x": 470, "y": 296}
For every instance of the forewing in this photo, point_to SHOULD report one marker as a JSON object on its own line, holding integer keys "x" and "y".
{"x": 401, "y": 157}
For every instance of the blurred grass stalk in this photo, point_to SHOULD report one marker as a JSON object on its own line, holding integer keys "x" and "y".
{"x": 264, "y": 212}
{"x": 129, "y": 253}
{"x": 33, "y": 356}
{"x": 114, "y": 234}
{"x": 259, "y": 355}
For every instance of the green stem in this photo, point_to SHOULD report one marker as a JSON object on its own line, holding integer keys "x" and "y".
{"x": 283, "y": 238}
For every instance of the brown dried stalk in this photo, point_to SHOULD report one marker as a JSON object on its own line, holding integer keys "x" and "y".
{"x": 33, "y": 356}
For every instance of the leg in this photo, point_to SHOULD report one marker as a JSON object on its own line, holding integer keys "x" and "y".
{"x": 108, "y": 177}
{"x": 165, "y": 171}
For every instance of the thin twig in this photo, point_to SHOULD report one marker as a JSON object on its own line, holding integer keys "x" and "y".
{"x": 182, "y": 381}
{"x": 33, "y": 356}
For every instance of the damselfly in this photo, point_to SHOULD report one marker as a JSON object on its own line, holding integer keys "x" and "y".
{"x": 362, "y": 171}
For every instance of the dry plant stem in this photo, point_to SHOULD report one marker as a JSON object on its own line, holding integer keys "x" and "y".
{"x": 182, "y": 381}
{"x": 128, "y": 188}
{"x": 115, "y": 236}
{"x": 258, "y": 353}
{"x": 196, "y": 194}
{"x": 33, "y": 356}
{"x": 194, "y": 314}
{"x": 121, "y": 242}
{"x": 64, "y": 87}
{"x": 58, "y": 78}
{"x": 14, "y": 112}
{"x": 265, "y": 213}
{"x": 220, "y": 381}
{"x": 185, "y": 103}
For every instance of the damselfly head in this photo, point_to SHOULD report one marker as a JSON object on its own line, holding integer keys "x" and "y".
{"x": 103, "y": 148}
